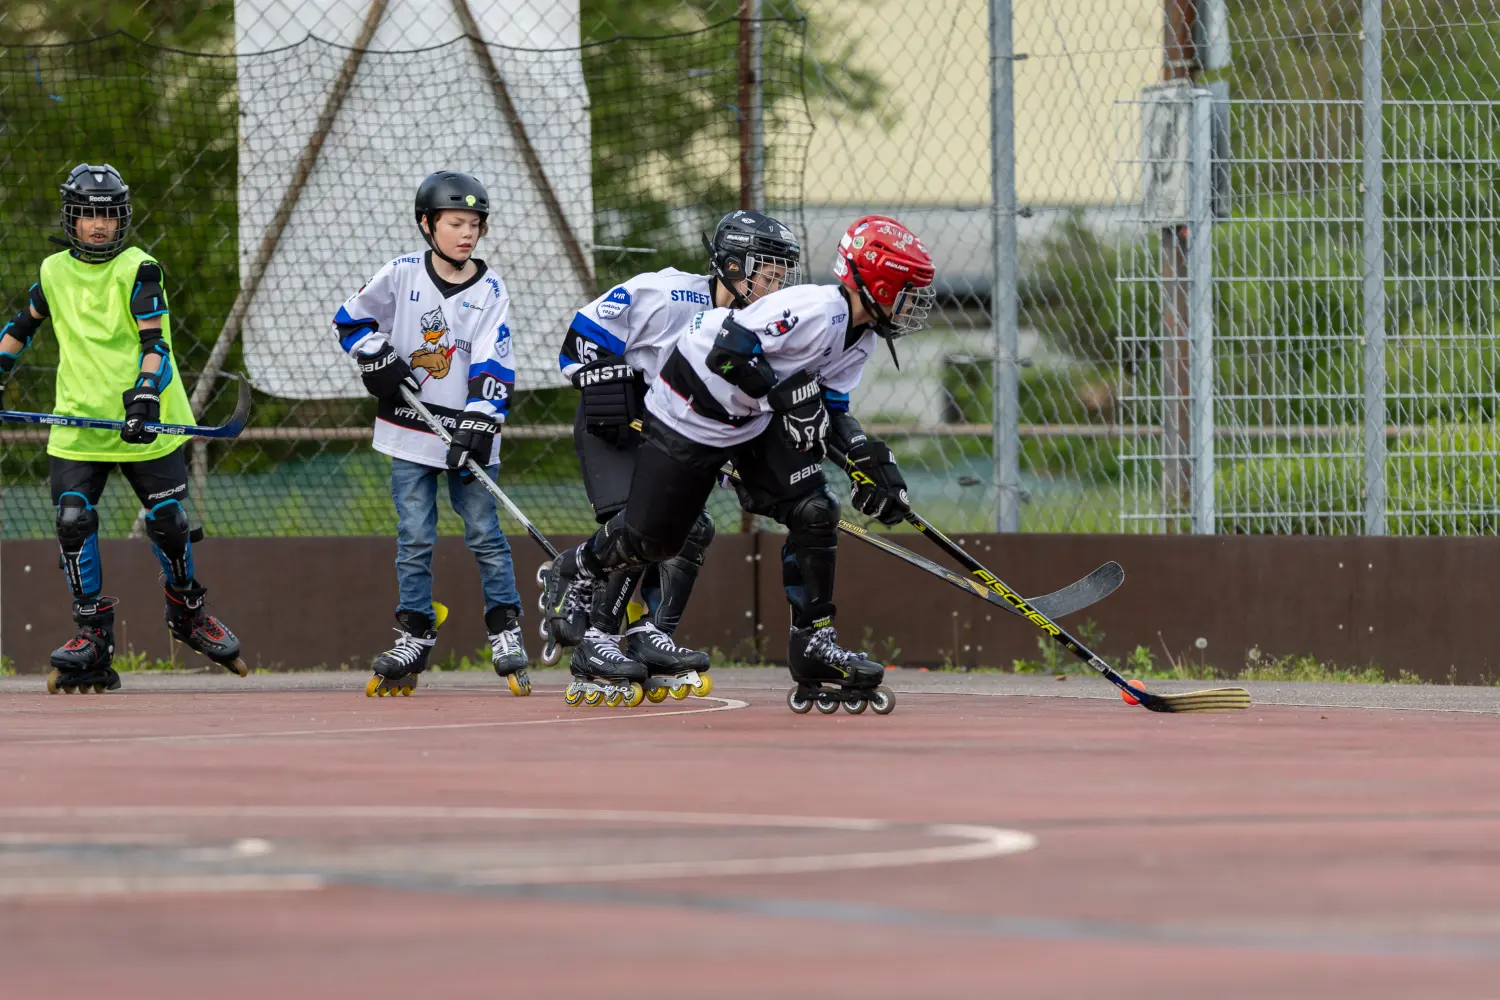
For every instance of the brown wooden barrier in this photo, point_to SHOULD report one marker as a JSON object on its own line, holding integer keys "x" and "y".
{"x": 1419, "y": 604}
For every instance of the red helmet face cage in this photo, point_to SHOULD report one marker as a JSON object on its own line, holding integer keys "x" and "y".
{"x": 884, "y": 261}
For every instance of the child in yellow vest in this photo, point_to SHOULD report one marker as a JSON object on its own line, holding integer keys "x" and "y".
{"x": 109, "y": 314}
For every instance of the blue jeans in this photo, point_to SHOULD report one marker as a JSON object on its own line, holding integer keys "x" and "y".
{"x": 414, "y": 488}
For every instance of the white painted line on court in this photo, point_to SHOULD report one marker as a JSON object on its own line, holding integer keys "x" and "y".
{"x": 975, "y": 842}
{"x": 584, "y": 715}
{"x": 93, "y": 886}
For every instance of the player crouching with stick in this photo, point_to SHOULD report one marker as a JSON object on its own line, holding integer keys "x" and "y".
{"x": 437, "y": 323}
{"x": 762, "y": 386}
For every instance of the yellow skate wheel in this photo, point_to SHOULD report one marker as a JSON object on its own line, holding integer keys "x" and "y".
{"x": 680, "y": 692}
{"x": 613, "y": 699}
{"x": 519, "y": 684}
{"x": 100, "y": 688}
{"x": 372, "y": 687}
{"x": 572, "y": 695}
{"x": 238, "y": 667}
{"x": 439, "y": 615}
{"x": 52, "y": 678}
{"x": 656, "y": 695}
{"x": 704, "y": 686}
{"x": 593, "y": 698}
{"x": 636, "y": 696}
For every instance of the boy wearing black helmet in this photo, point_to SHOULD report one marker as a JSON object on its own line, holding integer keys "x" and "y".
{"x": 438, "y": 323}
{"x": 109, "y": 314}
{"x": 613, "y": 350}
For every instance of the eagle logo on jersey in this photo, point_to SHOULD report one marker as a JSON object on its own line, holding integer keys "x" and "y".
{"x": 436, "y": 353}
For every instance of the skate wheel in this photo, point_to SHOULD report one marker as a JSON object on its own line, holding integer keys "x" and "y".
{"x": 237, "y": 666}
{"x": 541, "y": 604}
{"x": 826, "y": 704}
{"x": 372, "y": 687}
{"x": 704, "y": 686}
{"x": 551, "y": 653}
{"x": 541, "y": 574}
{"x": 52, "y": 678}
{"x": 656, "y": 695}
{"x": 519, "y": 684}
{"x": 637, "y": 694}
{"x": 572, "y": 695}
{"x": 680, "y": 691}
{"x": 882, "y": 700}
{"x": 543, "y": 632}
{"x": 101, "y": 687}
{"x": 855, "y": 706}
{"x": 593, "y": 698}
{"x": 797, "y": 702}
{"x": 613, "y": 698}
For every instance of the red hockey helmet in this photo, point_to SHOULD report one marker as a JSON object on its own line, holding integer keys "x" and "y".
{"x": 892, "y": 272}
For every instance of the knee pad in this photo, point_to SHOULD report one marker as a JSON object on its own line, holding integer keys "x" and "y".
{"x": 813, "y": 520}
{"x": 171, "y": 540}
{"x": 78, "y": 538}
{"x": 77, "y": 521}
{"x": 618, "y": 546}
{"x": 700, "y": 535}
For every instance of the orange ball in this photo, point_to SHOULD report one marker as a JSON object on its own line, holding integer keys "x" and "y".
{"x": 1125, "y": 695}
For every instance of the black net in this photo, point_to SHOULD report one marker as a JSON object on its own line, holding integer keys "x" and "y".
{"x": 612, "y": 160}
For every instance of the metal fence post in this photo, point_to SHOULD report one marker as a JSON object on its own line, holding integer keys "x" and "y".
{"x": 1201, "y": 310}
{"x": 1004, "y": 319}
{"x": 1373, "y": 183}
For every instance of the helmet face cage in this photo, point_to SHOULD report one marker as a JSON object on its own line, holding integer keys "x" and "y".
{"x": 766, "y": 273}
{"x": 911, "y": 309}
{"x": 95, "y": 193}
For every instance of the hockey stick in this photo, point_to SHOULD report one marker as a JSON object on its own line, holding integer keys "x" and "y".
{"x": 1076, "y": 596}
{"x": 1058, "y": 603}
{"x": 480, "y": 474}
{"x": 1211, "y": 700}
{"x": 231, "y": 429}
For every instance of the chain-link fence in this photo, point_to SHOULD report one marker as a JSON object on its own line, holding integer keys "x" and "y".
{"x": 1298, "y": 422}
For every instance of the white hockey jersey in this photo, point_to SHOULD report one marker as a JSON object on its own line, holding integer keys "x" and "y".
{"x": 802, "y": 328}
{"x": 639, "y": 320}
{"x": 456, "y": 339}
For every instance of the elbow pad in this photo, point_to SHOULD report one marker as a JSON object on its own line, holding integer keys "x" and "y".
{"x": 148, "y": 300}
{"x": 24, "y": 325}
{"x": 738, "y": 358}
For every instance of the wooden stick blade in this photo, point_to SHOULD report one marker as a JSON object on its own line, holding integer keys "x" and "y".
{"x": 1212, "y": 700}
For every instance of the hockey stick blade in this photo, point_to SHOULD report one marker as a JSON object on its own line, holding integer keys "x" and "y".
{"x": 231, "y": 429}
{"x": 1069, "y": 600}
{"x": 1231, "y": 699}
{"x": 1081, "y": 593}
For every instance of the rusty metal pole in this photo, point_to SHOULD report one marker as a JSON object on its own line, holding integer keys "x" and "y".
{"x": 1179, "y": 62}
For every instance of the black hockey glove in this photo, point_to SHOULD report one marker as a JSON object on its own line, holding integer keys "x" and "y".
{"x": 474, "y": 438}
{"x": 384, "y": 373}
{"x": 879, "y": 491}
{"x": 797, "y": 402}
{"x": 612, "y": 396}
{"x": 142, "y": 406}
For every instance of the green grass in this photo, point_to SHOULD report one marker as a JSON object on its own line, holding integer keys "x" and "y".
{"x": 1142, "y": 662}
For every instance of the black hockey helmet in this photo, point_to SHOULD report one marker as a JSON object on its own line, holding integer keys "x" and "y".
{"x": 746, "y": 241}
{"x": 95, "y": 192}
{"x": 449, "y": 189}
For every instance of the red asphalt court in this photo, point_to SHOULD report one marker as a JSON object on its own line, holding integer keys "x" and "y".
{"x": 464, "y": 843}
